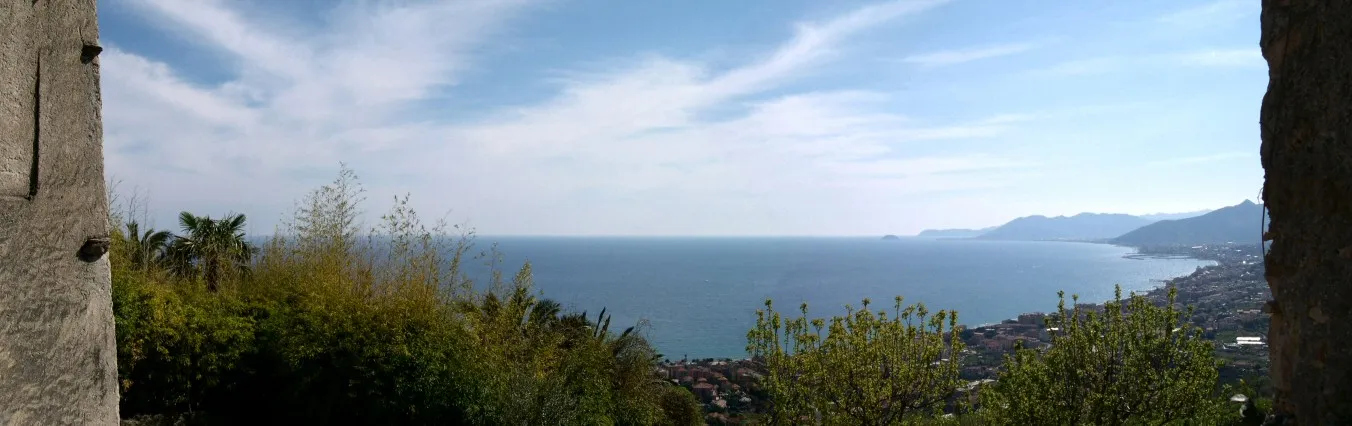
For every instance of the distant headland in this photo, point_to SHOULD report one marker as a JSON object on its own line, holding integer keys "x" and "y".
{"x": 1233, "y": 224}
{"x": 954, "y": 233}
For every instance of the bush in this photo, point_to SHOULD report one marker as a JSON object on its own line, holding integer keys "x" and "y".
{"x": 868, "y": 368}
{"x": 330, "y": 327}
{"x": 1134, "y": 363}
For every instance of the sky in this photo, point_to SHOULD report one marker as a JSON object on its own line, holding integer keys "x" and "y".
{"x": 691, "y": 117}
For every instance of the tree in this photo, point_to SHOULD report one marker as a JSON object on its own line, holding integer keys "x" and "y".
{"x": 211, "y": 247}
{"x": 868, "y": 368}
{"x": 1306, "y": 122}
{"x": 144, "y": 250}
{"x": 680, "y": 407}
{"x": 1134, "y": 363}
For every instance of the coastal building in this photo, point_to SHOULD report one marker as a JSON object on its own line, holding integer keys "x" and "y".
{"x": 701, "y": 373}
{"x": 1033, "y": 318}
{"x": 724, "y": 384}
{"x": 1047, "y": 333}
{"x": 705, "y": 392}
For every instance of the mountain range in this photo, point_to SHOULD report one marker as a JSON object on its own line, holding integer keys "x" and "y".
{"x": 1080, "y": 227}
{"x": 1235, "y": 224}
{"x": 1238, "y": 223}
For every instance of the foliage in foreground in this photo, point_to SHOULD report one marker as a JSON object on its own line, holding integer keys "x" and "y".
{"x": 1132, "y": 363}
{"x": 332, "y": 327}
{"x": 864, "y": 368}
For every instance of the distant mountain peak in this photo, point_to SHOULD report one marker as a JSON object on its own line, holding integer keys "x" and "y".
{"x": 1080, "y": 227}
{"x": 1233, "y": 224}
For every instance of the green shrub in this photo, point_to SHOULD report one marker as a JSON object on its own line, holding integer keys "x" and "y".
{"x": 865, "y": 367}
{"x": 1134, "y": 363}
{"x": 332, "y": 327}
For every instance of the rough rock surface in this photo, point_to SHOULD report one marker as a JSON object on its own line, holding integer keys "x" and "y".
{"x": 1306, "y": 123}
{"x": 57, "y": 348}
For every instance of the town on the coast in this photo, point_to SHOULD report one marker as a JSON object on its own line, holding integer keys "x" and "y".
{"x": 1228, "y": 299}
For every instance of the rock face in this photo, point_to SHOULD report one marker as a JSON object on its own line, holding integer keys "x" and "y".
{"x": 1306, "y": 123}
{"x": 57, "y": 348}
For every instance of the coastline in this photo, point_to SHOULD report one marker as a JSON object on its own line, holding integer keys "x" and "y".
{"x": 1227, "y": 298}
{"x": 1222, "y": 256}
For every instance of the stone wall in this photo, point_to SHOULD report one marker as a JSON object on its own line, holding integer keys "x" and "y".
{"x": 1306, "y": 124}
{"x": 57, "y": 348}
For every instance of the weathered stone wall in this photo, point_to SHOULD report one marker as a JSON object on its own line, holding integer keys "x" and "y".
{"x": 57, "y": 348}
{"x": 1306, "y": 122}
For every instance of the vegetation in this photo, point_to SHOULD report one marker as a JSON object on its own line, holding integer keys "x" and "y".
{"x": 1133, "y": 363}
{"x": 209, "y": 247}
{"x": 320, "y": 325}
{"x": 869, "y": 368}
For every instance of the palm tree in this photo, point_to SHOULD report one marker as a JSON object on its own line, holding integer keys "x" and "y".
{"x": 146, "y": 249}
{"x": 210, "y": 247}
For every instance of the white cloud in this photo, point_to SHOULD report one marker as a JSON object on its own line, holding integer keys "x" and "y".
{"x": 613, "y": 152}
{"x": 958, "y": 56}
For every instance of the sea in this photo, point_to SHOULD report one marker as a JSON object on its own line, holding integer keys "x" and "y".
{"x": 697, "y": 297}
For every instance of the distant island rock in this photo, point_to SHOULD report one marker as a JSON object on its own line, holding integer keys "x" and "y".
{"x": 1235, "y": 224}
{"x": 954, "y": 233}
{"x": 891, "y": 237}
{"x": 1081, "y": 227}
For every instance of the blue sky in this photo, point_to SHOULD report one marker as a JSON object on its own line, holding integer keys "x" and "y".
{"x": 698, "y": 117}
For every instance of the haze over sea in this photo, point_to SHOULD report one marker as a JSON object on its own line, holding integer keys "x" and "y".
{"x": 699, "y": 295}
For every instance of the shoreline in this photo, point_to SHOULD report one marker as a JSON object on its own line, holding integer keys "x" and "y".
{"x": 1228, "y": 297}
{"x": 1219, "y": 254}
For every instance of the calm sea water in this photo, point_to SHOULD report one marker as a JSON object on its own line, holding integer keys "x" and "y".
{"x": 699, "y": 295}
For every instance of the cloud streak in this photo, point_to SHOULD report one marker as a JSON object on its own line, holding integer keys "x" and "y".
{"x": 959, "y": 56}
{"x": 1206, "y": 58}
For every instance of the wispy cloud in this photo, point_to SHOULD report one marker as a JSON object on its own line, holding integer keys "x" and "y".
{"x": 958, "y": 56}
{"x": 637, "y": 141}
{"x": 295, "y": 101}
{"x": 1209, "y": 58}
{"x": 1202, "y": 159}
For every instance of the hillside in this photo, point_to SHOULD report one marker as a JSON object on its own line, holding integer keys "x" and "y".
{"x": 1174, "y": 216}
{"x": 1081, "y": 227}
{"x": 1238, "y": 224}
{"x": 954, "y": 233}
